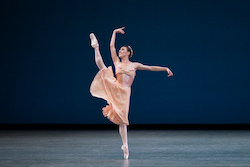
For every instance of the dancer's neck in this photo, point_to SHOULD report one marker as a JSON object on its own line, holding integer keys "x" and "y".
{"x": 125, "y": 60}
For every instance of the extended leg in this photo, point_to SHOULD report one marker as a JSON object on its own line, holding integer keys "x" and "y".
{"x": 98, "y": 58}
{"x": 123, "y": 133}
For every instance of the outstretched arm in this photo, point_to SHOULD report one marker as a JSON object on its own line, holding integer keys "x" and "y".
{"x": 114, "y": 56}
{"x": 140, "y": 66}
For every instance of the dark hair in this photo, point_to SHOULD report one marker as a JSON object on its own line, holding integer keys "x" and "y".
{"x": 130, "y": 50}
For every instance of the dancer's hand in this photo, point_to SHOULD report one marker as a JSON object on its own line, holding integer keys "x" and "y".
{"x": 120, "y": 30}
{"x": 169, "y": 72}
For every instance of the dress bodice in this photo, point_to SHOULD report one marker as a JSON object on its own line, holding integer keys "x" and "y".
{"x": 130, "y": 71}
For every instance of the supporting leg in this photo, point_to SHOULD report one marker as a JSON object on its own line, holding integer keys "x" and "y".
{"x": 123, "y": 133}
{"x": 98, "y": 58}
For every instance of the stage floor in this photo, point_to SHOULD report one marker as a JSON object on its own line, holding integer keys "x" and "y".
{"x": 102, "y": 148}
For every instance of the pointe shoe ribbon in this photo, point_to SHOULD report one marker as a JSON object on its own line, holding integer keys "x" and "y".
{"x": 94, "y": 42}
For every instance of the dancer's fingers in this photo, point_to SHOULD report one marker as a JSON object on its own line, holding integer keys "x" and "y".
{"x": 120, "y": 31}
{"x": 171, "y": 74}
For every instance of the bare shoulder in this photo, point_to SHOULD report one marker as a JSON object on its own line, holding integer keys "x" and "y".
{"x": 136, "y": 65}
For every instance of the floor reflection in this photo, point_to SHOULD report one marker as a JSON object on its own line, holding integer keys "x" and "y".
{"x": 126, "y": 163}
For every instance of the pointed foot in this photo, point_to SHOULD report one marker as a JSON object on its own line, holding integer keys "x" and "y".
{"x": 125, "y": 150}
{"x": 94, "y": 42}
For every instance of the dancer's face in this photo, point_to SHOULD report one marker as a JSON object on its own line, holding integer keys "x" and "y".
{"x": 123, "y": 52}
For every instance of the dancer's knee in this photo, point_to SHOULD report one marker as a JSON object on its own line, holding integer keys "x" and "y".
{"x": 100, "y": 64}
{"x": 122, "y": 127}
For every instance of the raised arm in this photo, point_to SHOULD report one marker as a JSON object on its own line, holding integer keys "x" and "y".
{"x": 114, "y": 56}
{"x": 140, "y": 66}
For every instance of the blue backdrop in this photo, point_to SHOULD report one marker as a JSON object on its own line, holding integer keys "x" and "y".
{"x": 47, "y": 63}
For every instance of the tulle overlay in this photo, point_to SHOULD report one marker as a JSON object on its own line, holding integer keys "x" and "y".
{"x": 106, "y": 86}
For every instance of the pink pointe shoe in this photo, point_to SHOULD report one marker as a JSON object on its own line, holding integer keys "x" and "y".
{"x": 125, "y": 150}
{"x": 94, "y": 42}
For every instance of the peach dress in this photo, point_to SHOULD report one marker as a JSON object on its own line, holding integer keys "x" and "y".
{"x": 106, "y": 86}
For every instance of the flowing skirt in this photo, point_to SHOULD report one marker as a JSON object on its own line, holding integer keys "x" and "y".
{"x": 106, "y": 86}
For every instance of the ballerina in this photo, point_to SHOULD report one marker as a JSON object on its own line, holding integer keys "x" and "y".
{"x": 116, "y": 91}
